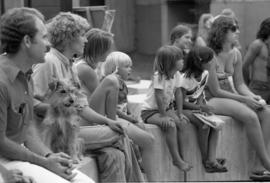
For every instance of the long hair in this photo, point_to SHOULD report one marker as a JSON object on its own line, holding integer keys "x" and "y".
{"x": 178, "y": 31}
{"x": 195, "y": 59}
{"x": 15, "y": 24}
{"x": 165, "y": 60}
{"x": 264, "y": 30}
{"x": 218, "y": 32}
{"x": 99, "y": 43}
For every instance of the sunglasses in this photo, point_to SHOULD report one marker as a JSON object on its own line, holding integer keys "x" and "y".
{"x": 234, "y": 28}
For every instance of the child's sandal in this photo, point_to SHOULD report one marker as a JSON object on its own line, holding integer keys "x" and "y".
{"x": 214, "y": 167}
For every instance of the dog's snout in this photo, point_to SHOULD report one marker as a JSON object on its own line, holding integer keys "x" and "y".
{"x": 71, "y": 101}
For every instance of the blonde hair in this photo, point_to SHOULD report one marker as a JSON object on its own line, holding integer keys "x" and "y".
{"x": 202, "y": 29}
{"x": 114, "y": 60}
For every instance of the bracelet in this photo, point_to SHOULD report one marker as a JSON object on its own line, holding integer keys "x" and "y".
{"x": 47, "y": 155}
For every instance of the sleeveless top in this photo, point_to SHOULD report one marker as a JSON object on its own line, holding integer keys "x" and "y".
{"x": 122, "y": 95}
{"x": 194, "y": 89}
{"x": 225, "y": 82}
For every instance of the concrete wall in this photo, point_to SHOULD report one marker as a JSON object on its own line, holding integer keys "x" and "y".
{"x": 49, "y": 7}
{"x": 155, "y": 19}
{"x": 124, "y": 24}
{"x": 250, "y": 14}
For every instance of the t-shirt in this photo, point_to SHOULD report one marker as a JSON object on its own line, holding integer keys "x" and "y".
{"x": 194, "y": 89}
{"x": 167, "y": 85}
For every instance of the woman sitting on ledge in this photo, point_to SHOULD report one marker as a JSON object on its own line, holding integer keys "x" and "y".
{"x": 243, "y": 105}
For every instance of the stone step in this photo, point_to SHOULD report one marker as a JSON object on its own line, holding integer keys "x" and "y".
{"x": 88, "y": 166}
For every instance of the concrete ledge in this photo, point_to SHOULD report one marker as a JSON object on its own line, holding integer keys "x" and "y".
{"x": 233, "y": 145}
{"x": 89, "y": 167}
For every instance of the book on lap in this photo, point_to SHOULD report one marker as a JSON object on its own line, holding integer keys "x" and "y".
{"x": 210, "y": 120}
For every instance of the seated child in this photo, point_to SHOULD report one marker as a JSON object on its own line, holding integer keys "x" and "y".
{"x": 119, "y": 65}
{"x": 193, "y": 82}
{"x": 157, "y": 108}
{"x": 116, "y": 69}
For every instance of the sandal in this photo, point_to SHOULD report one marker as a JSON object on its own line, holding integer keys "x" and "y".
{"x": 214, "y": 167}
{"x": 263, "y": 175}
{"x": 221, "y": 161}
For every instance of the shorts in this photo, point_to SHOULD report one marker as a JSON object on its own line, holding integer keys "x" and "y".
{"x": 146, "y": 114}
{"x": 261, "y": 88}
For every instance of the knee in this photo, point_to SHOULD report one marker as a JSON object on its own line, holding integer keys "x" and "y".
{"x": 173, "y": 127}
{"x": 148, "y": 141}
{"x": 250, "y": 118}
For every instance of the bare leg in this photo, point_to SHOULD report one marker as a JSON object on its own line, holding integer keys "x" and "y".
{"x": 213, "y": 140}
{"x": 104, "y": 99}
{"x": 202, "y": 134}
{"x": 264, "y": 117}
{"x": 249, "y": 119}
{"x": 171, "y": 139}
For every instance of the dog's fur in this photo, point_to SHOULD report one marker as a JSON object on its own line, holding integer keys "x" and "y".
{"x": 61, "y": 123}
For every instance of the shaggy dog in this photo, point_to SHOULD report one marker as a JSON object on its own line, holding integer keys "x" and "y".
{"x": 61, "y": 123}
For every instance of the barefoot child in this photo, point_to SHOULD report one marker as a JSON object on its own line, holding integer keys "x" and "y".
{"x": 193, "y": 82}
{"x": 117, "y": 69}
{"x": 118, "y": 65}
{"x": 157, "y": 108}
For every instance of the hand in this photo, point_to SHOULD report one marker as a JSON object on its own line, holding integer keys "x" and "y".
{"x": 16, "y": 176}
{"x": 116, "y": 127}
{"x": 206, "y": 108}
{"x": 252, "y": 103}
{"x": 257, "y": 97}
{"x": 61, "y": 164}
{"x": 166, "y": 123}
{"x": 183, "y": 118}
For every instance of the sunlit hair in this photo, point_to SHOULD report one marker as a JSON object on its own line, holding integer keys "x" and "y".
{"x": 264, "y": 30}
{"x": 218, "y": 32}
{"x": 197, "y": 56}
{"x": 178, "y": 31}
{"x": 166, "y": 59}
{"x": 99, "y": 43}
{"x": 202, "y": 29}
{"x": 64, "y": 28}
{"x": 228, "y": 12}
{"x": 115, "y": 60}
{"x": 15, "y": 24}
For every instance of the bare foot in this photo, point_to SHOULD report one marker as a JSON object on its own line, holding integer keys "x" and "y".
{"x": 182, "y": 165}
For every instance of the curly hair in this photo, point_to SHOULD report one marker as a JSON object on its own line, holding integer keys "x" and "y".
{"x": 166, "y": 58}
{"x": 64, "y": 28}
{"x": 218, "y": 32}
{"x": 15, "y": 24}
{"x": 99, "y": 43}
{"x": 264, "y": 30}
{"x": 178, "y": 31}
{"x": 195, "y": 59}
